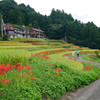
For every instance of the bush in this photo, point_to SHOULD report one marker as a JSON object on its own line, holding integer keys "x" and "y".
{"x": 97, "y": 54}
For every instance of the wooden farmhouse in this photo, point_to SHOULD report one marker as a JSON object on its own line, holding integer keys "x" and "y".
{"x": 37, "y": 33}
{"x": 23, "y": 33}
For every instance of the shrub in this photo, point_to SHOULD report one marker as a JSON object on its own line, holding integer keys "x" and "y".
{"x": 97, "y": 54}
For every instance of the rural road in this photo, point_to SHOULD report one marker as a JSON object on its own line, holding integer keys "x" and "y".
{"x": 90, "y": 92}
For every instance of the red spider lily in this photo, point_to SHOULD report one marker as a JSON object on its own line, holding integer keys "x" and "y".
{"x": 70, "y": 58}
{"x": 32, "y": 78}
{"x": 47, "y": 57}
{"x": 51, "y": 64}
{"x": 45, "y": 52}
{"x": 3, "y": 68}
{"x": 87, "y": 67}
{"x": 27, "y": 66}
{"x": 1, "y": 73}
{"x": 94, "y": 55}
{"x": 3, "y": 80}
{"x": 8, "y": 65}
{"x": 82, "y": 62}
{"x": 20, "y": 68}
{"x": 57, "y": 74}
{"x": 74, "y": 59}
{"x": 2, "y": 65}
{"x": 7, "y": 81}
{"x": 25, "y": 74}
{"x": 58, "y": 70}
{"x": 31, "y": 73}
{"x": 44, "y": 56}
{"x": 14, "y": 66}
{"x": 18, "y": 63}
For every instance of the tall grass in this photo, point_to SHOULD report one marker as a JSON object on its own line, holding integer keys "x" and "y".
{"x": 13, "y": 43}
{"x": 13, "y": 56}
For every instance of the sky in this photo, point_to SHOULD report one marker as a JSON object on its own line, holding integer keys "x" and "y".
{"x": 83, "y": 10}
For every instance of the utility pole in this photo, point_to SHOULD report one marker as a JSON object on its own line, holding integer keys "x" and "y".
{"x": 1, "y": 26}
{"x": 39, "y": 34}
{"x": 65, "y": 37}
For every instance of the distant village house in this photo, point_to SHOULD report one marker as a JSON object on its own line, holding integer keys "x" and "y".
{"x": 36, "y": 33}
{"x": 23, "y": 33}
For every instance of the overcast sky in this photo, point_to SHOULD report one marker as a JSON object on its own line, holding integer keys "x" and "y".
{"x": 83, "y": 10}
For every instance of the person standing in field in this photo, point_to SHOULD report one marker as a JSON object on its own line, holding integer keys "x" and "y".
{"x": 73, "y": 53}
{"x": 78, "y": 53}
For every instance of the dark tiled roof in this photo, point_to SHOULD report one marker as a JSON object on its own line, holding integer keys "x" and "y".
{"x": 37, "y": 34}
{"x": 38, "y": 30}
{"x": 9, "y": 27}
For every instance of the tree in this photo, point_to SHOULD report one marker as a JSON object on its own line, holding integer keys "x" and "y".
{"x": 35, "y": 24}
{"x": 0, "y": 25}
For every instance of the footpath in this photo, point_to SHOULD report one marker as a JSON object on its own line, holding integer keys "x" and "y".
{"x": 90, "y": 92}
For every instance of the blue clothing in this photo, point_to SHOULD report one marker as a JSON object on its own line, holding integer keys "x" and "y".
{"x": 77, "y": 52}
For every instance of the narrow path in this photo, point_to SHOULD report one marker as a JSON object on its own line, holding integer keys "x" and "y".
{"x": 82, "y": 60}
{"x": 90, "y": 92}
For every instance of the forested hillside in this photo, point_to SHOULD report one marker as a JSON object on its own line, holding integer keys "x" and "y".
{"x": 56, "y": 26}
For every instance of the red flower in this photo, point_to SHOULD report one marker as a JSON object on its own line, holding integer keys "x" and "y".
{"x": 20, "y": 68}
{"x": 7, "y": 81}
{"x": 57, "y": 74}
{"x": 51, "y": 64}
{"x": 27, "y": 66}
{"x": 17, "y": 63}
{"x": 25, "y": 74}
{"x": 0, "y": 94}
{"x": 8, "y": 65}
{"x": 3, "y": 80}
{"x": 74, "y": 59}
{"x": 56, "y": 69}
{"x": 32, "y": 78}
{"x": 87, "y": 67}
{"x": 82, "y": 62}
{"x": 14, "y": 66}
{"x": 1, "y": 73}
{"x": 59, "y": 70}
{"x": 31, "y": 73}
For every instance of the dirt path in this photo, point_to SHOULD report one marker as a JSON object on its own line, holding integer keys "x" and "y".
{"x": 82, "y": 60}
{"x": 90, "y": 92}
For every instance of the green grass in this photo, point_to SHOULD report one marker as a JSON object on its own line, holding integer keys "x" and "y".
{"x": 14, "y": 56}
{"x": 62, "y": 60}
{"x": 12, "y": 43}
{"x": 27, "y": 39}
{"x": 91, "y": 58}
{"x": 48, "y": 82}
